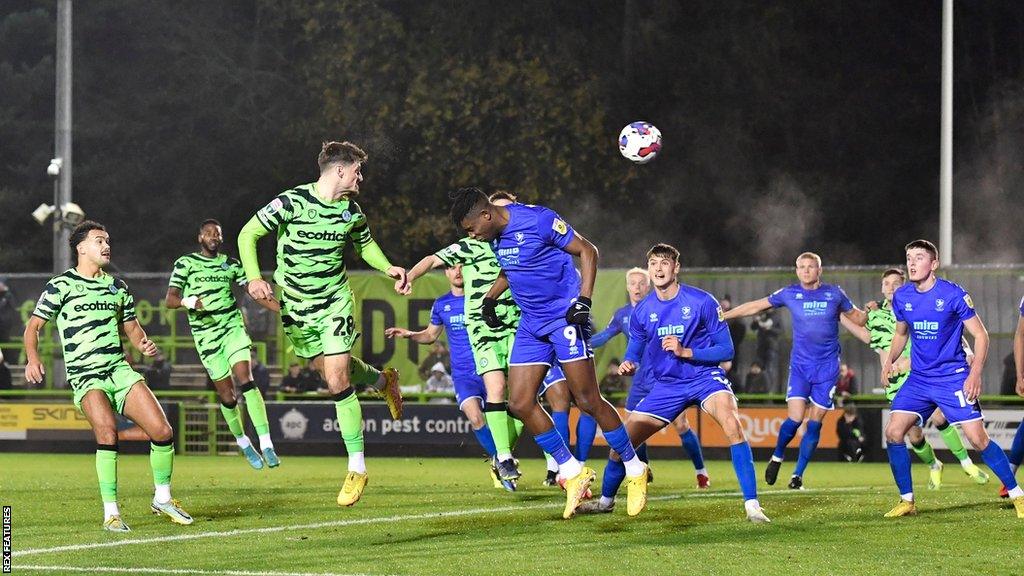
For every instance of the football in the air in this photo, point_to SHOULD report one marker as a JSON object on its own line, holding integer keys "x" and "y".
{"x": 640, "y": 142}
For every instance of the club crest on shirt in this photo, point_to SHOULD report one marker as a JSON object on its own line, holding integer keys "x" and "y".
{"x": 687, "y": 313}
{"x": 940, "y": 304}
{"x": 559, "y": 226}
{"x": 968, "y": 301}
{"x": 828, "y": 295}
{"x": 225, "y": 266}
{"x": 520, "y": 237}
{"x": 346, "y": 216}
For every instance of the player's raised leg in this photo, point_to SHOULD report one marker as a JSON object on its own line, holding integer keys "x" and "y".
{"x": 233, "y": 416}
{"x": 255, "y": 407}
{"x": 141, "y": 407}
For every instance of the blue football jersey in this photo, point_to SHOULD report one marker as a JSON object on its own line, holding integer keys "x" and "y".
{"x": 815, "y": 316}
{"x": 936, "y": 322}
{"x": 449, "y": 311}
{"x": 540, "y": 272}
{"x": 619, "y": 324}
{"x": 693, "y": 316}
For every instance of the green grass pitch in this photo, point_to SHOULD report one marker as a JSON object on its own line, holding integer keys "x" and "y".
{"x": 441, "y": 516}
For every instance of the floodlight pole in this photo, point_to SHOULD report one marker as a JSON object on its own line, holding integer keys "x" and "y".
{"x": 62, "y": 138}
{"x": 946, "y": 147}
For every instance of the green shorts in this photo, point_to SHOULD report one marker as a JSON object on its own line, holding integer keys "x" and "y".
{"x": 317, "y": 329}
{"x": 491, "y": 348}
{"x": 115, "y": 384}
{"x": 232, "y": 348}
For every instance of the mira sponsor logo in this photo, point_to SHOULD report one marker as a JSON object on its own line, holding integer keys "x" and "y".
{"x": 815, "y": 305}
{"x": 926, "y": 329}
{"x": 324, "y": 235}
{"x": 672, "y": 330}
{"x": 508, "y": 256}
{"x": 97, "y": 307}
{"x": 457, "y": 319}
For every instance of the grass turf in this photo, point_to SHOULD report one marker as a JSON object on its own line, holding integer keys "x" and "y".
{"x": 441, "y": 516}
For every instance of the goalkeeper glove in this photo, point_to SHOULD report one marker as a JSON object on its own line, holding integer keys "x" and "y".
{"x": 579, "y": 312}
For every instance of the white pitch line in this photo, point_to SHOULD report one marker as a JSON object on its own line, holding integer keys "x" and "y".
{"x": 387, "y": 519}
{"x": 121, "y": 570}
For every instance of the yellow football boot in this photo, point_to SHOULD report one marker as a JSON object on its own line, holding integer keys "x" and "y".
{"x": 576, "y": 489}
{"x": 904, "y": 508}
{"x": 350, "y": 493}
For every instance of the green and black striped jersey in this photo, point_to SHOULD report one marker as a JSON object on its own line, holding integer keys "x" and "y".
{"x": 210, "y": 280}
{"x": 881, "y": 326}
{"x": 480, "y": 269}
{"x": 89, "y": 312}
{"x": 311, "y": 240}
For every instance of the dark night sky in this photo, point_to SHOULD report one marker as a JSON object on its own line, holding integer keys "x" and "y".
{"x": 787, "y": 126}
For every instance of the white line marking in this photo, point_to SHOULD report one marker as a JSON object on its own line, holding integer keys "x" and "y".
{"x": 121, "y": 570}
{"x": 388, "y": 519}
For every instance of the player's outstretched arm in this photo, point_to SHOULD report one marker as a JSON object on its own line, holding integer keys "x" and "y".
{"x": 748, "y": 309}
{"x": 859, "y": 331}
{"x": 257, "y": 287}
{"x": 488, "y": 308}
{"x": 425, "y": 265}
{"x": 972, "y": 387}
{"x": 426, "y": 336}
{"x": 857, "y": 316}
{"x": 1018, "y": 355}
{"x": 137, "y": 336}
{"x": 34, "y": 370}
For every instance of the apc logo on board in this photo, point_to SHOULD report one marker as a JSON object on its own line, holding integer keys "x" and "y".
{"x": 293, "y": 425}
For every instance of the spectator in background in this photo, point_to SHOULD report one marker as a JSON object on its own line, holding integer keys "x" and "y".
{"x": 292, "y": 382}
{"x": 5, "y": 374}
{"x": 260, "y": 375}
{"x": 8, "y": 319}
{"x": 756, "y": 381}
{"x": 158, "y": 374}
{"x": 439, "y": 380}
{"x": 612, "y": 381}
{"x": 1008, "y": 383}
{"x": 438, "y": 353}
{"x": 846, "y": 385}
{"x": 737, "y": 332}
{"x": 851, "y": 435}
{"x": 766, "y": 324}
{"x": 259, "y": 322}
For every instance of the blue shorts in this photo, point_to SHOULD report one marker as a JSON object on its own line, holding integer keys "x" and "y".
{"x": 564, "y": 343}
{"x": 921, "y": 396}
{"x": 468, "y": 385}
{"x": 554, "y": 376}
{"x": 667, "y": 401}
{"x": 637, "y": 392}
{"x": 816, "y": 383}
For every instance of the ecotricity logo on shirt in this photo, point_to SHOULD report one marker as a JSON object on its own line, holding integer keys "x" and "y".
{"x": 926, "y": 329}
{"x": 97, "y": 306}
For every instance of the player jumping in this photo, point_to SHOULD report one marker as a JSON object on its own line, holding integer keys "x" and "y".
{"x": 201, "y": 283}
{"x": 90, "y": 307}
{"x": 313, "y": 223}
{"x": 933, "y": 312}
{"x": 814, "y": 364}
{"x": 535, "y": 248}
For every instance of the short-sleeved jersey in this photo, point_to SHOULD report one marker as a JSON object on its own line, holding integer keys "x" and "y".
{"x": 531, "y": 251}
{"x": 619, "y": 324}
{"x": 210, "y": 280}
{"x": 311, "y": 240}
{"x": 449, "y": 311}
{"x": 935, "y": 319}
{"x": 479, "y": 271}
{"x": 693, "y": 316}
{"x": 88, "y": 312}
{"x": 815, "y": 316}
